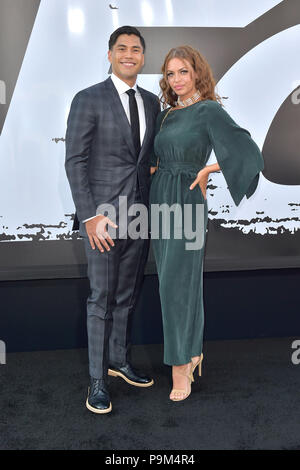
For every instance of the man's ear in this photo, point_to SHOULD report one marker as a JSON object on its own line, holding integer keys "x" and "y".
{"x": 109, "y": 56}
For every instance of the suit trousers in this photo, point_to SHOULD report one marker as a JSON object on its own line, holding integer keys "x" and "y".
{"x": 115, "y": 282}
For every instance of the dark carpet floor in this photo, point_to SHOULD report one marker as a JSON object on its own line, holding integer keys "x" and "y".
{"x": 247, "y": 398}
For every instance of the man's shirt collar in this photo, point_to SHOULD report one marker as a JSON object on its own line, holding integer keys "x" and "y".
{"x": 121, "y": 86}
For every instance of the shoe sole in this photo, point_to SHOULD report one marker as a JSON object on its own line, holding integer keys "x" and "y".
{"x": 96, "y": 410}
{"x": 136, "y": 384}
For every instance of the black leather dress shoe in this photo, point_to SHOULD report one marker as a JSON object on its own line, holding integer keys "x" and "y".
{"x": 98, "y": 400}
{"x": 130, "y": 375}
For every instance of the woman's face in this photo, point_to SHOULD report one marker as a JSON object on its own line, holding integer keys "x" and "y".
{"x": 181, "y": 78}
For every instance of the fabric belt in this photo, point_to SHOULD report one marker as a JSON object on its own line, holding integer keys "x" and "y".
{"x": 178, "y": 167}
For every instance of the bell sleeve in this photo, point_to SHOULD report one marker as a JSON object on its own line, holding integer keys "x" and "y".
{"x": 236, "y": 152}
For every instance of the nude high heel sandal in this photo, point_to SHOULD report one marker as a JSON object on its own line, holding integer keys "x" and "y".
{"x": 198, "y": 364}
{"x": 185, "y": 392}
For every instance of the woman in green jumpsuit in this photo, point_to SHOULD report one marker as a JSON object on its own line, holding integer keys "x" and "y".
{"x": 187, "y": 131}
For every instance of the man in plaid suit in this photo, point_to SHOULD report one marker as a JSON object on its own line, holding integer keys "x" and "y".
{"x": 109, "y": 139}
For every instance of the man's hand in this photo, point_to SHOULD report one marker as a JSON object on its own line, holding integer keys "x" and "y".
{"x": 96, "y": 230}
{"x": 153, "y": 169}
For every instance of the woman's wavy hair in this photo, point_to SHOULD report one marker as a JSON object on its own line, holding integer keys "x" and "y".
{"x": 205, "y": 81}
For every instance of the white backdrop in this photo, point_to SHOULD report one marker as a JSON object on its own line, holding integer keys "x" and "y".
{"x": 67, "y": 52}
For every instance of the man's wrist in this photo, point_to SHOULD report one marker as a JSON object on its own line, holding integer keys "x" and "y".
{"x": 90, "y": 218}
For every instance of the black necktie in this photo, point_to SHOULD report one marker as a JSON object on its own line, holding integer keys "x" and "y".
{"x": 134, "y": 121}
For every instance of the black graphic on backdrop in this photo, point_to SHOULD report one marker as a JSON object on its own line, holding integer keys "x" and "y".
{"x": 16, "y": 22}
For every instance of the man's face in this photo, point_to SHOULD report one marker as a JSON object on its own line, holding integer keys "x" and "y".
{"x": 126, "y": 57}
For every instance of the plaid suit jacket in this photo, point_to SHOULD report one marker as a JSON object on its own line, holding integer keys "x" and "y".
{"x": 101, "y": 164}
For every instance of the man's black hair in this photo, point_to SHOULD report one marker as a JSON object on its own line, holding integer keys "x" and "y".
{"x": 125, "y": 30}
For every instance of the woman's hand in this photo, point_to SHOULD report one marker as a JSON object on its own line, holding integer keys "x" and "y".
{"x": 202, "y": 178}
{"x": 153, "y": 169}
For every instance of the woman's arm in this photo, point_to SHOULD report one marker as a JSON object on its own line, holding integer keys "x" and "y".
{"x": 236, "y": 152}
{"x": 203, "y": 175}
{"x": 213, "y": 168}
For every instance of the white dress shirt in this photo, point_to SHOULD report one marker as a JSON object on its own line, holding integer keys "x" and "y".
{"x": 122, "y": 87}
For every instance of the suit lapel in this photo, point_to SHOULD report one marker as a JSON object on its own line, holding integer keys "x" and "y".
{"x": 120, "y": 115}
{"x": 147, "y": 108}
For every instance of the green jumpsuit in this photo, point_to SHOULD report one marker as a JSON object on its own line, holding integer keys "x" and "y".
{"x": 183, "y": 143}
